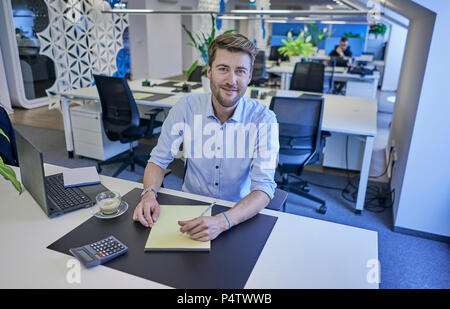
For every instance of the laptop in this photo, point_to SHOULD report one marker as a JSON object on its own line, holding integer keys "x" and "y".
{"x": 49, "y": 191}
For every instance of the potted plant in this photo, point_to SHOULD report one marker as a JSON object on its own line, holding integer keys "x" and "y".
{"x": 378, "y": 29}
{"x": 351, "y": 35}
{"x": 298, "y": 48}
{"x": 201, "y": 43}
{"x": 316, "y": 34}
{"x": 6, "y": 171}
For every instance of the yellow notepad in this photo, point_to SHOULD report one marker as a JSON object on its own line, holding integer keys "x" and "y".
{"x": 165, "y": 234}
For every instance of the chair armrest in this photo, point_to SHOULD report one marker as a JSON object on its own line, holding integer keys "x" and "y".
{"x": 154, "y": 112}
{"x": 279, "y": 200}
{"x": 325, "y": 134}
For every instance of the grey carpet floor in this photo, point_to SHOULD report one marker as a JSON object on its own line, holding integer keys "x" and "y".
{"x": 406, "y": 261}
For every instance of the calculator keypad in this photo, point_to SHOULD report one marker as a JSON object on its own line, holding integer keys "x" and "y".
{"x": 107, "y": 247}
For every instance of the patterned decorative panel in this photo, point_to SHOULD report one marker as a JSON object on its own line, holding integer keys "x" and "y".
{"x": 82, "y": 41}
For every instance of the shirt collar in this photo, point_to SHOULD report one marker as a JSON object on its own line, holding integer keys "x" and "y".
{"x": 237, "y": 115}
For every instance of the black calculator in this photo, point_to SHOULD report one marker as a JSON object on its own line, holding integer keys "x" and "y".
{"x": 99, "y": 252}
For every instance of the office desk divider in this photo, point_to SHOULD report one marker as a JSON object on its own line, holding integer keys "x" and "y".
{"x": 228, "y": 265}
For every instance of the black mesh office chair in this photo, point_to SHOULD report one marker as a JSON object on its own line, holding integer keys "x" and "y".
{"x": 308, "y": 76}
{"x": 259, "y": 70}
{"x": 121, "y": 121}
{"x": 301, "y": 141}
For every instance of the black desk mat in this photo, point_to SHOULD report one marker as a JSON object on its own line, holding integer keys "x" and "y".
{"x": 227, "y": 266}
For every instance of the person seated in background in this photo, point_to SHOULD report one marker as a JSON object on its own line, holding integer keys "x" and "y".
{"x": 340, "y": 52}
{"x": 341, "y": 58}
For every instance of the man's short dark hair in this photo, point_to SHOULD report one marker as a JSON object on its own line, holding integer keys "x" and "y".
{"x": 232, "y": 42}
{"x": 344, "y": 39}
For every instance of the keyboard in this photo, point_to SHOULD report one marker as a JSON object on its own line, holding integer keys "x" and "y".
{"x": 65, "y": 198}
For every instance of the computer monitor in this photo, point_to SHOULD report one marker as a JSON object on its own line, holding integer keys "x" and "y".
{"x": 275, "y": 54}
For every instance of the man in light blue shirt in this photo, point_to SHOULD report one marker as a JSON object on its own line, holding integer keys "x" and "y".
{"x": 230, "y": 144}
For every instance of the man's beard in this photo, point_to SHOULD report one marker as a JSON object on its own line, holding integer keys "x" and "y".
{"x": 215, "y": 89}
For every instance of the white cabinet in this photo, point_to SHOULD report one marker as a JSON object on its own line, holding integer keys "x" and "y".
{"x": 89, "y": 137}
{"x": 363, "y": 89}
{"x": 343, "y": 151}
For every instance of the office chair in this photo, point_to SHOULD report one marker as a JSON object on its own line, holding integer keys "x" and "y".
{"x": 308, "y": 76}
{"x": 8, "y": 148}
{"x": 121, "y": 122}
{"x": 259, "y": 70}
{"x": 196, "y": 75}
{"x": 301, "y": 141}
{"x": 279, "y": 200}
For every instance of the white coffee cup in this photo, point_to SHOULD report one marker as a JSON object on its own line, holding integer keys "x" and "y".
{"x": 109, "y": 202}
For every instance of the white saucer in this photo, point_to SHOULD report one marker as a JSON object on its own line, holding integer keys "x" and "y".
{"x": 96, "y": 212}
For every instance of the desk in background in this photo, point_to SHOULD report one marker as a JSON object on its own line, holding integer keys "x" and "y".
{"x": 299, "y": 253}
{"x": 357, "y": 85}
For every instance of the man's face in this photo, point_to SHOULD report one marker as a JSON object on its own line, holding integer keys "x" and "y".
{"x": 343, "y": 45}
{"x": 229, "y": 76}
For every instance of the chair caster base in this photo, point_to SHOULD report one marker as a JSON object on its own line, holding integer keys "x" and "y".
{"x": 322, "y": 209}
{"x": 358, "y": 212}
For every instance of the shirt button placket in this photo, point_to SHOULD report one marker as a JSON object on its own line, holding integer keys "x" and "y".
{"x": 218, "y": 164}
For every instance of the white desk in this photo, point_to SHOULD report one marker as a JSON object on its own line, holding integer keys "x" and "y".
{"x": 300, "y": 252}
{"x": 357, "y": 86}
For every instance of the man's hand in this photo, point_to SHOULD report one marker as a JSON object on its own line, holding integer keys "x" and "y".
{"x": 147, "y": 211}
{"x": 204, "y": 228}
{"x": 340, "y": 51}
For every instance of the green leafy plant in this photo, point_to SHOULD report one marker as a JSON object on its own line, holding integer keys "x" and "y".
{"x": 352, "y": 35}
{"x": 378, "y": 29}
{"x": 6, "y": 171}
{"x": 301, "y": 46}
{"x": 201, "y": 42}
{"x": 316, "y": 34}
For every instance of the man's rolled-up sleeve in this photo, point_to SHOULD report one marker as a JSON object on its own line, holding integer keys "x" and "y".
{"x": 171, "y": 136}
{"x": 265, "y": 158}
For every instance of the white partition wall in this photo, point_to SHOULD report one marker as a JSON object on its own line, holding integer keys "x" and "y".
{"x": 394, "y": 56}
{"x": 155, "y": 41}
{"x": 5, "y": 101}
{"x": 420, "y": 126}
{"x": 76, "y": 39}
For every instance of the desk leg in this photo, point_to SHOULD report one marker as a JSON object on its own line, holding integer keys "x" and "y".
{"x": 285, "y": 81}
{"x": 364, "y": 176}
{"x": 67, "y": 126}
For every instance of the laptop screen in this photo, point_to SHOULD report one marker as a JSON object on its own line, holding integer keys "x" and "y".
{"x": 31, "y": 170}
